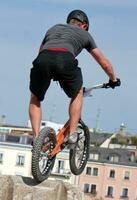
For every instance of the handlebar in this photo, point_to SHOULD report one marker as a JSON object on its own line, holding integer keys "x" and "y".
{"x": 87, "y": 91}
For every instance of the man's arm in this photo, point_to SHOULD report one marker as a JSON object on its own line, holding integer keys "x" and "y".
{"x": 104, "y": 63}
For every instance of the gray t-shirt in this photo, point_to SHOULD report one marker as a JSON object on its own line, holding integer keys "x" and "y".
{"x": 70, "y": 37}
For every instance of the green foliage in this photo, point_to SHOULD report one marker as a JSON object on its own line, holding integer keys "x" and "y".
{"x": 114, "y": 140}
{"x": 122, "y": 140}
{"x": 134, "y": 140}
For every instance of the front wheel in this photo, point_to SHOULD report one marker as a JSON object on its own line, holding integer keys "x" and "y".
{"x": 42, "y": 165}
{"x": 79, "y": 154}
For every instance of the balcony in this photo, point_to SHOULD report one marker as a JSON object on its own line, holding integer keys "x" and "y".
{"x": 62, "y": 173}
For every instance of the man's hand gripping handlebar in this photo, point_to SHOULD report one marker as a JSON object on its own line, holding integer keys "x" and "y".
{"x": 110, "y": 84}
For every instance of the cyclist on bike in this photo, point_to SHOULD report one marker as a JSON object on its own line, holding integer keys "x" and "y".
{"x": 57, "y": 60}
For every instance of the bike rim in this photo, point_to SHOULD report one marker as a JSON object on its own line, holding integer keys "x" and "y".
{"x": 44, "y": 161}
{"x": 80, "y": 155}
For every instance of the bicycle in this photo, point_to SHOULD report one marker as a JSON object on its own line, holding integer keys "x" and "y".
{"x": 47, "y": 145}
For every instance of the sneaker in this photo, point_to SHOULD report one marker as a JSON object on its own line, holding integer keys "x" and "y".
{"x": 73, "y": 138}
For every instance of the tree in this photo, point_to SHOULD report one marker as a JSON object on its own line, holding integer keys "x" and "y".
{"x": 134, "y": 140}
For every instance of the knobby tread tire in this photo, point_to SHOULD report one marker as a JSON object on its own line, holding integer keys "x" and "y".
{"x": 36, "y": 152}
{"x": 74, "y": 169}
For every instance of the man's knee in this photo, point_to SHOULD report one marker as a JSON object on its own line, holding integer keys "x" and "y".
{"x": 34, "y": 100}
{"x": 81, "y": 91}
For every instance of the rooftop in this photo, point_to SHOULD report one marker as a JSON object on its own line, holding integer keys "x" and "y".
{"x": 114, "y": 156}
{"x": 98, "y": 138}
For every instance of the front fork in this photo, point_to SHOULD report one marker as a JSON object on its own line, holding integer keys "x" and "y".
{"x": 60, "y": 139}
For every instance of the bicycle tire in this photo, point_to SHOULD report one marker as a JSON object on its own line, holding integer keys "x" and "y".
{"x": 75, "y": 169}
{"x": 41, "y": 173}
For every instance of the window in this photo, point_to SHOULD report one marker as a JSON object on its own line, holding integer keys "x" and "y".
{"x": 113, "y": 158}
{"x": 95, "y": 172}
{"x": 94, "y": 156}
{"x": 88, "y": 170}
{"x": 23, "y": 139}
{"x": 20, "y": 160}
{"x": 4, "y": 130}
{"x": 86, "y": 188}
{"x": 1, "y": 158}
{"x": 93, "y": 189}
{"x": 125, "y": 192}
{"x": 127, "y": 175}
{"x": 112, "y": 174}
{"x": 110, "y": 191}
{"x": 132, "y": 157}
{"x": 60, "y": 168}
{"x": 3, "y": 137}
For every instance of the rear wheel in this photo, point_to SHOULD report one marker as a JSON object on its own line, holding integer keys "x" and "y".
{"x": 79, "y": 154}
{"x": 41, "y": 163}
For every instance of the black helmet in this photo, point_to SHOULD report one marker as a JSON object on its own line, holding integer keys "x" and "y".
{"x": 80, "y": 15}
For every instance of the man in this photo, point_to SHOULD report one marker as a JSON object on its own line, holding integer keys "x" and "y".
{"x": 56, "y": 60}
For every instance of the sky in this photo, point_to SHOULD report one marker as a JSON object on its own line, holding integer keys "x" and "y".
{"x": 23, "y": 24}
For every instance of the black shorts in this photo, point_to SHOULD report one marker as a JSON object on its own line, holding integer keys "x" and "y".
{"x": 57, "y": 65}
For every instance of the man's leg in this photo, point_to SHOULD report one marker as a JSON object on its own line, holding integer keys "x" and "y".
{"x": 75, "y": 108}
{"x": 35, "y": 114}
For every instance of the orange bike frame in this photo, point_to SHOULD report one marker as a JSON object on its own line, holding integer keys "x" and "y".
{"x": 60, "y": 139}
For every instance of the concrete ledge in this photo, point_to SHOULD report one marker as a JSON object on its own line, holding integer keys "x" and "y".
{"x": 24, "y": 188}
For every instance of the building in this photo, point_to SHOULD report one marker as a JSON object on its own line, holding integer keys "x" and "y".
{"x": 16, "y": 130}
{"x": 101, "y": 139}
{"x": 15, "y": 151}
{"x": 110, "y": 173}
{"x": 15, "y": 155}
{"x": 55, "y": 126}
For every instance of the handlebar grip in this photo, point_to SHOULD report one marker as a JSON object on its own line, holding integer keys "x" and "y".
{"x": 106, "y": 85}
{"x": 112, "y": 84}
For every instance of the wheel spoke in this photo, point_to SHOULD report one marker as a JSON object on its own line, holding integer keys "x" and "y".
{"x": 79, "y": 152}
{"x": 45, "y": 162}
{"x": 41, "y": 163}
{"x": 79, "y": 155}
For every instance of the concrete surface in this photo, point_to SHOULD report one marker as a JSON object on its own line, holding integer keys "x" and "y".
{"x": 24, "y": 188}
